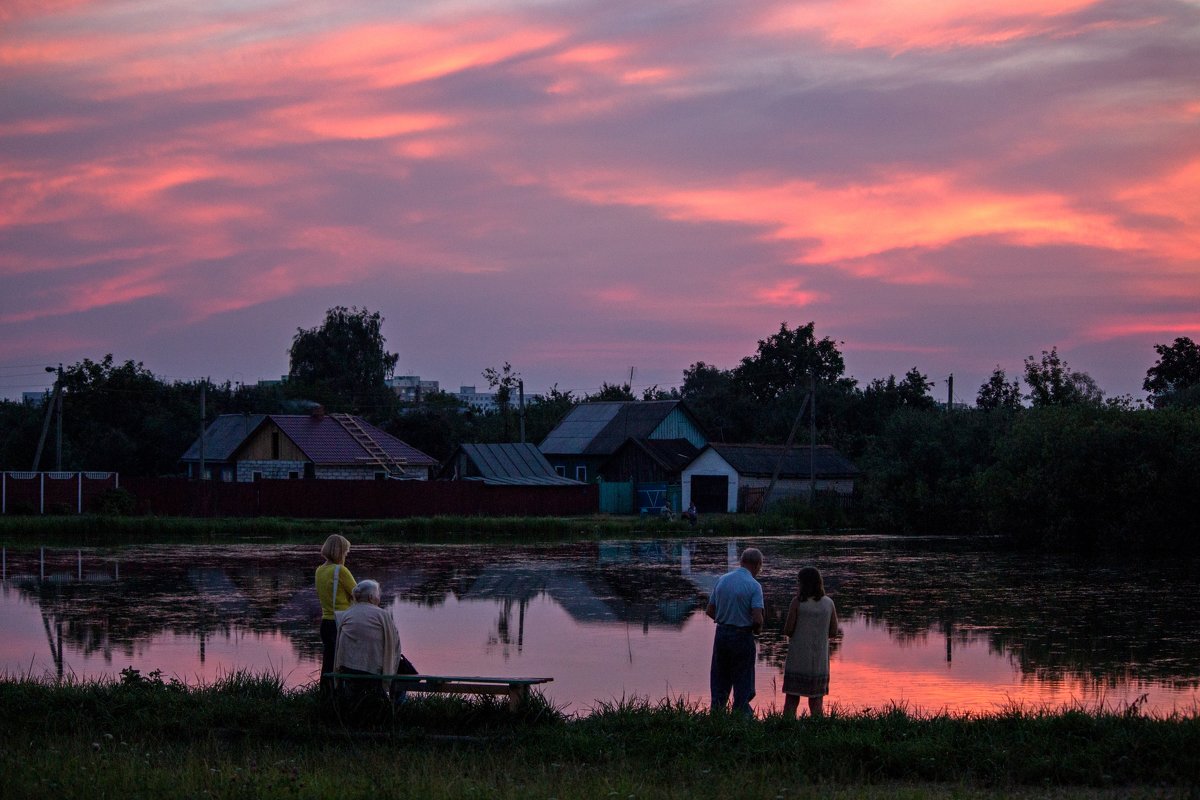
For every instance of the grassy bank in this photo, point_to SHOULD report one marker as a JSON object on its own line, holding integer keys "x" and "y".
{"x": 107, "y": 530}
{"x": 248, "y": 737}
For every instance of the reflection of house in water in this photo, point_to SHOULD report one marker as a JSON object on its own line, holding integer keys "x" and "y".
{"x": 648, "y": 583}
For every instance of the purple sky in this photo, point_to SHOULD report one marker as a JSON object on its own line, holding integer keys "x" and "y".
{"x": 579, "y": 188}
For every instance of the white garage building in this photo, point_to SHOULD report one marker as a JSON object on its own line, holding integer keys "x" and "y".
{"x": 722, "y": 475}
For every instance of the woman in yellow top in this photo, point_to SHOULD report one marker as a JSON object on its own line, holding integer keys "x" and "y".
{"x": 334, "y": 550}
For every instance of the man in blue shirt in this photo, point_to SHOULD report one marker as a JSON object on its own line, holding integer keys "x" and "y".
{"x": 736, "y": 604}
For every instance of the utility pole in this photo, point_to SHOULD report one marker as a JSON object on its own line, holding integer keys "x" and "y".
{"x": 55, "y": 402}
{"x": 783, "y": 454}
{"x": 521, "y": 405}
{"x": 58, "y": 427}
{"x": 950, "y": 392}
{"x": 203, "y": 390}
{"x": 812, "y": 440}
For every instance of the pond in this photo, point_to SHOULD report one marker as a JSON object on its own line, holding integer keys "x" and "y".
{"x": 932, "y": 623}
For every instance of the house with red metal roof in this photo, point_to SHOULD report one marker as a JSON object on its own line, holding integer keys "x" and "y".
{"x": 248, "y": 447}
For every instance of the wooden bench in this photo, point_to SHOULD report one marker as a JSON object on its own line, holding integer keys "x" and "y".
{"x": 517, "y": 689}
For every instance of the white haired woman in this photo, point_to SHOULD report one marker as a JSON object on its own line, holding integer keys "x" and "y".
{"x": 367, "y": 641}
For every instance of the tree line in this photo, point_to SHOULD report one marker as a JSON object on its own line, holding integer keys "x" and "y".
{"x": 1054, "y": 462}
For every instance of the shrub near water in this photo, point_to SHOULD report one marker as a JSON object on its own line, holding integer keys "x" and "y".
{"x": 247, "y": 735}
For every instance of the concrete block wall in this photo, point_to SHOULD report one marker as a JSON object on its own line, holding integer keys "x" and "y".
{"x": 270, "y": 469}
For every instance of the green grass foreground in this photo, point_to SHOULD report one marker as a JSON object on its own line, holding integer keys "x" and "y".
{"x": 247, "y": 736}
{"x": 94, "y": 529}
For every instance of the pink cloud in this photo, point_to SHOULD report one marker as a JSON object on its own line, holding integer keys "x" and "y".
{"x": 898, "y": 25}
{"x": 837, "y": 223}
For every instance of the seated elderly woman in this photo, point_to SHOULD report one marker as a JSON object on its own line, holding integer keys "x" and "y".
{"x": 367, "y": 642}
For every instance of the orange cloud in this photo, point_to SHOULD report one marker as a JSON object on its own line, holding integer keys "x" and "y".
{"x": 1173, "y": 197}
{"x": 840, "y": 223}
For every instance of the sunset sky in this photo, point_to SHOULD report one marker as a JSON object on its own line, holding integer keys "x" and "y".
{"x": 582, "y": 187}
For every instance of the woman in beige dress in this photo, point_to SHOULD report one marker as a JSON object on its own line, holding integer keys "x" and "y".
{"x": 811, "y": 622}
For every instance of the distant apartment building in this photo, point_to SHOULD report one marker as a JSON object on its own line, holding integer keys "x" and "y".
{"x": 480, "y": 401}
{"x": 410, "y": 388}
{"x": 35, "y": 398}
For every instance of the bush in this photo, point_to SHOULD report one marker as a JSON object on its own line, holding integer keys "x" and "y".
{"x": 116, "y": 503}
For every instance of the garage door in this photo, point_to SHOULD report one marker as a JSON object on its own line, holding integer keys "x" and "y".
{"x": 710, "y": 493}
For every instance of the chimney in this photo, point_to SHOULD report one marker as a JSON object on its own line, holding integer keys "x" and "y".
{"x": 318, "y": 412}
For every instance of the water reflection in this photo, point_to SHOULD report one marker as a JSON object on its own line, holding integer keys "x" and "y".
{"x": 936, "y": 623}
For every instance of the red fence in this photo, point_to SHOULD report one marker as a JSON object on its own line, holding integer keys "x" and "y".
{"x": 54, "y": 492}
{"x": 335, "y": 499}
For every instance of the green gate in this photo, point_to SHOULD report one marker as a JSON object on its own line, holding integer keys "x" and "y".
{"x": 616, "y": 497}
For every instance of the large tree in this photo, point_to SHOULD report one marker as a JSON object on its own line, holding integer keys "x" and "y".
{"x": 1175, "y": 377}
{"x": 785, "y": 359}
{"x": 343, "y": 363}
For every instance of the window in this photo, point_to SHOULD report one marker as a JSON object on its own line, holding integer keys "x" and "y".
{"x": 581, "y": 474}
{"x": 275, "y": 445}
{"x": 561, "y": 470}
{"x": 293, "y": 476}
{"x": 380, "y": 476}
{"x": 227, "y": 475}
{"x": 256, "y": 476}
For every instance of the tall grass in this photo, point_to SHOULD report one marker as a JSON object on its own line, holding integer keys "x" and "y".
{"x": 248, "y": 735}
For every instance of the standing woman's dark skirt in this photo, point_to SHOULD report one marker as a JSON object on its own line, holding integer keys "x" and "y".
{"x": 329, "y": 643}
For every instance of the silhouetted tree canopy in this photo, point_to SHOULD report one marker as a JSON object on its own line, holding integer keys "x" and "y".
{"x": 999, "y": 393}
{"x": 1052, "y": 383}
{"x": 343, "y": 364}
{"x": 1175, "y": 377}
{"x": 784, "y": 361}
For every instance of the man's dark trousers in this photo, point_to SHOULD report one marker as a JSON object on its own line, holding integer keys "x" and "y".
{"x": 732, "y": 667}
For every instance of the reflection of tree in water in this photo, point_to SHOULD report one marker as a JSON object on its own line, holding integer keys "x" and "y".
{"x": 177, "y": 596}
{"x": 1055, "y": 617}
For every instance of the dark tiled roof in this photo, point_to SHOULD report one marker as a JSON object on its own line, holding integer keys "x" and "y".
{"x": 599, "y": 429}
{"x": 325, "y": 441}
{"x": 223, "y": 436}
{"x": 760, "y": 459}
{"x": 514, "y": 464}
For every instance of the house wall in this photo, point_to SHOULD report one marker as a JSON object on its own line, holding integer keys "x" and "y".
{"x": 710, "y": 463}
{"x": 280, "y": 470}
{"x": 632, "y": 464}
{"x": 258, "y": 446}
{"x": 678, "y": 425}
{"x": 216, "y": 470}
{"x": 570, "y": 464}
{"x": 795, "y": 487}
